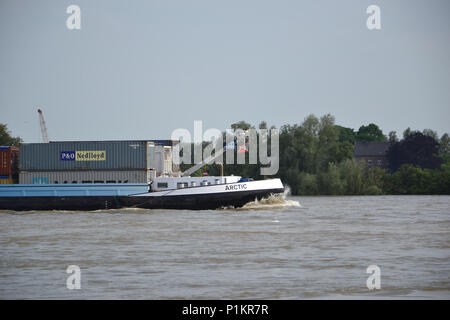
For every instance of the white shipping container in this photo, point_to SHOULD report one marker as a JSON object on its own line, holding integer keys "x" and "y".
{"x": 44, "y": 177}
{"x": 163, "y": 160}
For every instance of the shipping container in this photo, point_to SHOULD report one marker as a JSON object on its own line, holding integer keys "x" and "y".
{"x": 87, "y": 155}
{"x": 167, "y": 157}
{"x": 6, "y": 180}
{"x": 163, "y": 160}
{"x": 9, "y": 163}
{"x": 165, "y": 143}
{"x": 101, "y": 176}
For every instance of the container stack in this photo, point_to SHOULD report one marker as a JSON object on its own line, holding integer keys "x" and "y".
{"x": 92, "y": 162}
{"x": 9, "y": 165}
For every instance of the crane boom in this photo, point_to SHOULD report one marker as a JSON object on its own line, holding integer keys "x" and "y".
{"x": 201, "y": 164}
{"x": 43, "y": 127}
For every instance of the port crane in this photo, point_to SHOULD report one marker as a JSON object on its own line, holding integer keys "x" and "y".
{"x": 43, "y": 127}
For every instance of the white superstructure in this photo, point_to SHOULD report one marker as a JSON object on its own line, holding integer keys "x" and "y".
{"x": 171, "y": 183}
{"x": 219, "y": 190}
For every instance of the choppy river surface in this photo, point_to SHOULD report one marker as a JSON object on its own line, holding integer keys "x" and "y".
{"x": 299, "y": 248}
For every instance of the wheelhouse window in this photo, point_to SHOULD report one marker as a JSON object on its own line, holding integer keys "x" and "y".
{"x": 163, "y": 185}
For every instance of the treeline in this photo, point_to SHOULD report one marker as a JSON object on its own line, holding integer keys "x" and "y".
{"x": 316, "y": 158}
{"x": 415, "y": 180}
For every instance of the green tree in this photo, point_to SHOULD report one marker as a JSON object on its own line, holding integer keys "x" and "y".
{"x": 416, "y": 149}
{"x": 241, "y": 125}
{"x": 328, "y": 139}
{"x": 430, "y": 133}
{"x": 352, "y": 173}
{"x": 6, "y": 139}
{"x": 330, "y": 148}
{"x": 262, "y": 125}
{"x": 408, "y": 132}
{"x": 444, "y": 147}
{"x": 307, "y": 184}
{"x": 414, "y": 180}
{"x": 346, "y": 134}
{"x": 392, "y": 136}
{"x": 370, "y": 133}
{"x": 330, "y": 182}
{"x": 373, "y": 181}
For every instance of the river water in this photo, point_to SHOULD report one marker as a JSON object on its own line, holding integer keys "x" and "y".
{"x": 293, "y": 248}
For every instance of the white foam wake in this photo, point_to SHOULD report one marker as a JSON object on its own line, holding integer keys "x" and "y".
{"x": 273, "y": 201}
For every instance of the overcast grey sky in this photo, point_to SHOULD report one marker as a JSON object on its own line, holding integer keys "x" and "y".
{"x": 140, "y": 69}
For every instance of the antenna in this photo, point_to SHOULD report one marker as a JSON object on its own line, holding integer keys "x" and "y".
{"x": 43, "y": 127}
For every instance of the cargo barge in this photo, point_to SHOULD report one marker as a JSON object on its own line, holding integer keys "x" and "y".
{"x": 86, "y": 197}
{"x": 98, "y": 175}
